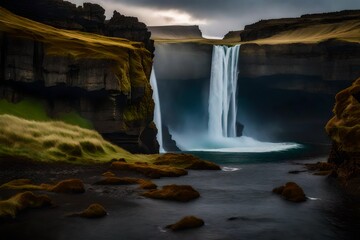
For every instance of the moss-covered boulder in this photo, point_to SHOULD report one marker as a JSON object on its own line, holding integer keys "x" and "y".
{"x": 180, "y": 193}
{"x": 186, "y": 161}
{"x": 150, "y": 170}
{"x": 11, "y": 207}
{"x": 291, "y": 192}
{"x": 95, "y": 210}
{"x": 186, "y": 223}
{"x": 66, "y": 186}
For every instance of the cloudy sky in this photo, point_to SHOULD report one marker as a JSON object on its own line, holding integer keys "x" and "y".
{"x": 217, "y": 17}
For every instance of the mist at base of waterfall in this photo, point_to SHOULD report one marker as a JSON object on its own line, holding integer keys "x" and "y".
{"x": 208, "y": 143}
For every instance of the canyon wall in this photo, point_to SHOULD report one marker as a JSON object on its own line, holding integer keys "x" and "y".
{"x": 286, "y": 91}
{"x": 286, "y": 87}
{"x": 105, "y": 80}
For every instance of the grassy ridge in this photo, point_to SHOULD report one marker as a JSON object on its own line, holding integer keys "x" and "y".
{"x": 132, "y": 60}
{"x": 57, "y": 141}
{"x": 348, "y": 31}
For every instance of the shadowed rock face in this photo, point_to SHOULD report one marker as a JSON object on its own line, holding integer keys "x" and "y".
{"x": 292, "y": 87}
{"x": 112, "y": 92}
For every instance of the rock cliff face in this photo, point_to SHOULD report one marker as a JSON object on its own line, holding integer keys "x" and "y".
{"x": 267, "y": 28}
{"x": 344, "y": 130}
{"x": 87, "y": 18}
{"x": 285, "y": 87}
{"x": 292, "y": 86}
{"x": 105, "y": 80}
{"x": 175, "y": 32}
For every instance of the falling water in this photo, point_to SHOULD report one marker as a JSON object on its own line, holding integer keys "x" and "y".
{"x": 157, "y": 110}
{"x": 221, "y": 133}
{"x": 222, "y": 97}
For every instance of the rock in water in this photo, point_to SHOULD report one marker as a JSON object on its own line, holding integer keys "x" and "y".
{"x": 93, "y": 211}
{"x": 21, "y": 201}
{"x": 68, "y": 186}
{"x": 291, "y": 192}
{"x": 186, "y": 223}
{"x": 181, "y": 193}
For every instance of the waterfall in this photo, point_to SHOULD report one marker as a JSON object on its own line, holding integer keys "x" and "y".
{"x": 157, "y": 110}
{"x": 222, "y": 97}
{"x": 221, "y": 133}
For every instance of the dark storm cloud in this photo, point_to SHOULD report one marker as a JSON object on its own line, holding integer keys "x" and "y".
{"x": 207, "y": 8}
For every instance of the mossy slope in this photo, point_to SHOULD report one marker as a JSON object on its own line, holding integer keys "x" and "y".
{"x": 57, "y": 141}
{"x": 344, "y": 127}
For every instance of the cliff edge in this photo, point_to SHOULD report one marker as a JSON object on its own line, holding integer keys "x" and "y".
{"x": 104, "y": 79}
{"x": 344, "y": 131}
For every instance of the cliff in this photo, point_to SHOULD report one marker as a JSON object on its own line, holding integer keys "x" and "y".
{"x": 312, "y": 27}
{"x": 344, "y": 131}
{"x": 104, "y": 79}
{"x": 175, "y": 32}
{"x": 289, "y": 71}
{"x": 86, "y": 18}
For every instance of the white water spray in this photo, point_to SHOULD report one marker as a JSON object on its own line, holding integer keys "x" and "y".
{"x": 157, "y": 110}
{"x": 222, "y": 97}
{"x": 221, "y": 135}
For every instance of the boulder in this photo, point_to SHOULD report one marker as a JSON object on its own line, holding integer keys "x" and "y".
{"x": 180, "y": 193}
{"x": 291, "y": 192}
{"x": 21, "y": 201}
{"x": 186, "y": 223}
{"x": 95, "y": 210}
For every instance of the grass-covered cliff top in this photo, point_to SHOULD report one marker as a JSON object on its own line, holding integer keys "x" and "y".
{"x": 292, "y": 32}
{"x": 57, "y": 141}
{"x": 344, "y": 127}
{"x": 348, "y": 31}
{"x": 133, "y": 61}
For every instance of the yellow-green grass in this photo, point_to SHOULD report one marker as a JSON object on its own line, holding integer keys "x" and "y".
{"x": 11, "y": 207}
{"x": 132, "y": 60}
{"x": 348, "y": 31}
{"x": 344, "y": 127}
{"x": 57, "y": 141}
{"x": 33, "y": 109}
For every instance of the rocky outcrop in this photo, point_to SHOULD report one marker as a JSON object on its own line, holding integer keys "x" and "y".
{"x": 291, "y": 192}
{"x": 87, "y": 18}
{"x": 187, "y": 222}
{"x": 105, "y": 80}
{"x": 169, "y": 144}
{"x": 344, "y": 130}
{"x": 267, "y": 28}
{"x": 175, "y": 32}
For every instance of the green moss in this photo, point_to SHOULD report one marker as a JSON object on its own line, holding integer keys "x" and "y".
{"x": 344, "y": 127}
{"x": 31, "y": 109}
{"x": 58, "y": 141}
{"x": 75, "y": 119}
{"x": 34, "y": 109}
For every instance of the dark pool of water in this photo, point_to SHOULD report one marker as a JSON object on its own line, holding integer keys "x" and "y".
{"x": 244, "y": 194}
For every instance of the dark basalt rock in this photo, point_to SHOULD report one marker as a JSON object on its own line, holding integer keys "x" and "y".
{"x": 169, "y": 143}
